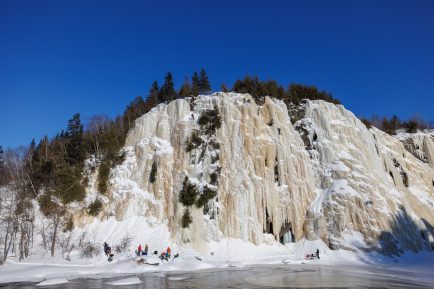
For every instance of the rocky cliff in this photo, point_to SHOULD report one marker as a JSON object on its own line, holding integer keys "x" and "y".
{"x": 307, "y": 171}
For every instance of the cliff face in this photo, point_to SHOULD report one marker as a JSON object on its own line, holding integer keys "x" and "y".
{"x": 320, "y": 176}
{"x": 367, "y": 181}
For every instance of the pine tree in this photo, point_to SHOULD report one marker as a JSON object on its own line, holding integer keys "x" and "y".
{"x": 390, "y": 126}
{"x": 195, "y": 84}
{"x": 204, "y": 84}
{"x": 154, "y": 92}
{"x": 42, "y": 149}
{"x": 153, "y": 174}
{"x": 168, "y": 92}
{"x": 186, "y": 219}
{"x": 3, "y": 175}
{"x": 2, "y": 161}
{"x": 185, "y": 89}
{"x": 30, "y": 155}
{"x": 395, "y": 122}
{"x": 134, "y": 110}
{"x": 411, "y": 126}
{"x": 74, "y": 126}
{"x": 32, "y": 146}
{"x": 224, "y": 88}
{"x": 188, "y": 193}
{"x": 75, "y": 148}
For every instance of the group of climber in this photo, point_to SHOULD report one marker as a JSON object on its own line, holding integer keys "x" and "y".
{"x": 166, "y": 255}
{"x": 140, "y": 252}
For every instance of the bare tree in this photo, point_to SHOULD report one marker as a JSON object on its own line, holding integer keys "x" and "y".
{"x": 8, "y": 222}
{"x": 96, "y": 125}
{"x": 25, "y": 231}
{"x": 66, "y": 245}
{"x": 16, "y": 208}
{"x": 56, "y": 221}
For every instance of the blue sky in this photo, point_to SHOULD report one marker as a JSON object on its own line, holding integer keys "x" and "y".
{"x": 93, "y": 57}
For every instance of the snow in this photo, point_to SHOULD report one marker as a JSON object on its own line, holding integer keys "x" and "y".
{"x": 162, "y": 146}
{"x": 342, "y": 187}
{"x": 141, "y": 230}
{"x": 321, "y": 196}
{"x": 422, "y": 195}
{"x": 345, "y": 155}
{"x": 227, "y": 253}
{"x": 338, "y": 187}
{"x": 353, "y": 239}
{"x": 338, "y": 166}
{"x": 50, "y": 282}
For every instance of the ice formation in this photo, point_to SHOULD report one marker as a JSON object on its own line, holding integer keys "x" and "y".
{"x": 312, "y": 171}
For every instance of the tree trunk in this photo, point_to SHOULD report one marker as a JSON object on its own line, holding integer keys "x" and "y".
{"x": 5, "y": 248}
{"x": 53, "y": 241}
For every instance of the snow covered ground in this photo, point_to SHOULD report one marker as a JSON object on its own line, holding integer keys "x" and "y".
{"x": 224, "y": 254}
{"x": 228, "y": 253}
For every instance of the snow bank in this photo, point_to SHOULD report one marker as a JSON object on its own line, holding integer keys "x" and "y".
{"x": 227, "y": 253}
{"x": 50, "y": 282}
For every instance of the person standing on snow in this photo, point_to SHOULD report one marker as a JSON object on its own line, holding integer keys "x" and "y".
{"x": 146, "y": 250}
{"x": 106, "y": 248}
{"x": 139, "y": 250}
{"x": 317, "y": 253}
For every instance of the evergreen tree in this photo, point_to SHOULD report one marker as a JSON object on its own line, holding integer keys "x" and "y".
{"x": 43, "y": 148}
{"x": 2, "y": 160}
{"x": 411, "y": 126}
{"x": 168, "y": 92}
{"x": 249, "y": 85}
{"x": 195, "y": 84}
{"x": 29, "y": 156}
{"x": 154, "y": 93}
{"x": 67, "y": 185}
{"x": 390, "y": 126}
{"x": 204, "y": 84}
{"x": 75, "y": 148}
{"x": 224, "y": 88}
{"x": 297, "y": 92}
{"x": 74, "y": 126}
{"x": 186, "y": 219}
{"x": 3, "y": 175}
{"x": 134, "y": 110}
{"x": 32, "y": 146}
{"x": 153, "y": 174}
{"x": 188, "y": 193}
{"x": 185, "y": 89}
{"x": 395, "y": 122}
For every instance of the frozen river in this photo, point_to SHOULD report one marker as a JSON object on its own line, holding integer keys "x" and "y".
{"x": 284, "y": 276}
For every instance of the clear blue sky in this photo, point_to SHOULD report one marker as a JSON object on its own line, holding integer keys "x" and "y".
{"x": 93, "y": 57}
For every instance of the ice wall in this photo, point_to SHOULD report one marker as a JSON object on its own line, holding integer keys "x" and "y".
{"x": 367, "y": 181}
{"x": 317, "y": 178}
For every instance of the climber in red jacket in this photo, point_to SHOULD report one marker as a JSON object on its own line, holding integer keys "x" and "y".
{"x": 139, "y": 250}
